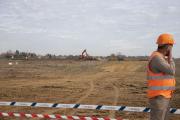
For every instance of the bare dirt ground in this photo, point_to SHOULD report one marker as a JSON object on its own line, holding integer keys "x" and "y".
{"x": 85, "y": 82}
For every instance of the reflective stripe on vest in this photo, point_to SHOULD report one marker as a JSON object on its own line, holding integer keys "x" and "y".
{"x": 160, "y": 77}
{"x": 161, "y": 88}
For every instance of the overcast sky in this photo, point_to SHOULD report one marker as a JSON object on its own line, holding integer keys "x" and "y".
{"x": 101, "y": 26}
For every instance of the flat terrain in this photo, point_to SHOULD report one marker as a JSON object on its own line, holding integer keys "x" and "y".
{"x": 84, "y": 82}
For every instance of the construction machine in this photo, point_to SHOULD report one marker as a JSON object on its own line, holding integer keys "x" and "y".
{"x": 85, "y": 56}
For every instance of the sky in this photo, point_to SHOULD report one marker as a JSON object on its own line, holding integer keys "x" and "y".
{"x": 65, "y": 27}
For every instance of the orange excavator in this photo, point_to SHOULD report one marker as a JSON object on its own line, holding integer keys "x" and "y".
{"x": 85, "y": 56}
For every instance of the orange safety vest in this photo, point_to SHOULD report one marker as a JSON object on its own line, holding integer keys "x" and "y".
{"x": 159, "y": 83}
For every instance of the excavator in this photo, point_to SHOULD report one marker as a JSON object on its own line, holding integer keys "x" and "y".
{"x": 85, "y": 56}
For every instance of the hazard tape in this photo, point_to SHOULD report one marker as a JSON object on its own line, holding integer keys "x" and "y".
{"x": 57, "y": 116}
{"x": 81, "y": 106}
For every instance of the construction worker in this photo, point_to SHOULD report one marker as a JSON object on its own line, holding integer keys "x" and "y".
{"x": 160, "y": 76}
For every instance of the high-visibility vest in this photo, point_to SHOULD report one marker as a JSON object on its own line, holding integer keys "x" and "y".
{"x": 159, "y": 83}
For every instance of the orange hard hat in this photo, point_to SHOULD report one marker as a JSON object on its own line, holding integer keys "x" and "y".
{"x": 165, "y": 39}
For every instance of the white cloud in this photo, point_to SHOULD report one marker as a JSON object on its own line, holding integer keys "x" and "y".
{"x": 105, "y": 21}
{"x": 90, "y": 23}
{"x": 172, "y": 8}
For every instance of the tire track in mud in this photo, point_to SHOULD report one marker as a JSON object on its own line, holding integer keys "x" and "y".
{"x": 73, "y": 111}
{"x": 87, "y": 93}
{"x": 84, "y": 97}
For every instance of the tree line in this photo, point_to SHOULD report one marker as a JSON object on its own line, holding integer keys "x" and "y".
{"x": 29, "y": 55}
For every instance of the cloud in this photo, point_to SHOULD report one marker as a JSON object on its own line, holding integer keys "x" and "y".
{"x": 104, "y": 20}
{"x": 116, "y": 25}
{"x": 172, "y": 9}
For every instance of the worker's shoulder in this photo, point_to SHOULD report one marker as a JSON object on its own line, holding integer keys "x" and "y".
{"x": 157, "y": 59}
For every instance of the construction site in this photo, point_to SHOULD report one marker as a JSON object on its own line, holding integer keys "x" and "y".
{"x": 89, "y": 60}
{"x": 90, "y": 82}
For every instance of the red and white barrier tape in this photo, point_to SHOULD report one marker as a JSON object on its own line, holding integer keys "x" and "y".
{"x": 24, "y": 115}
